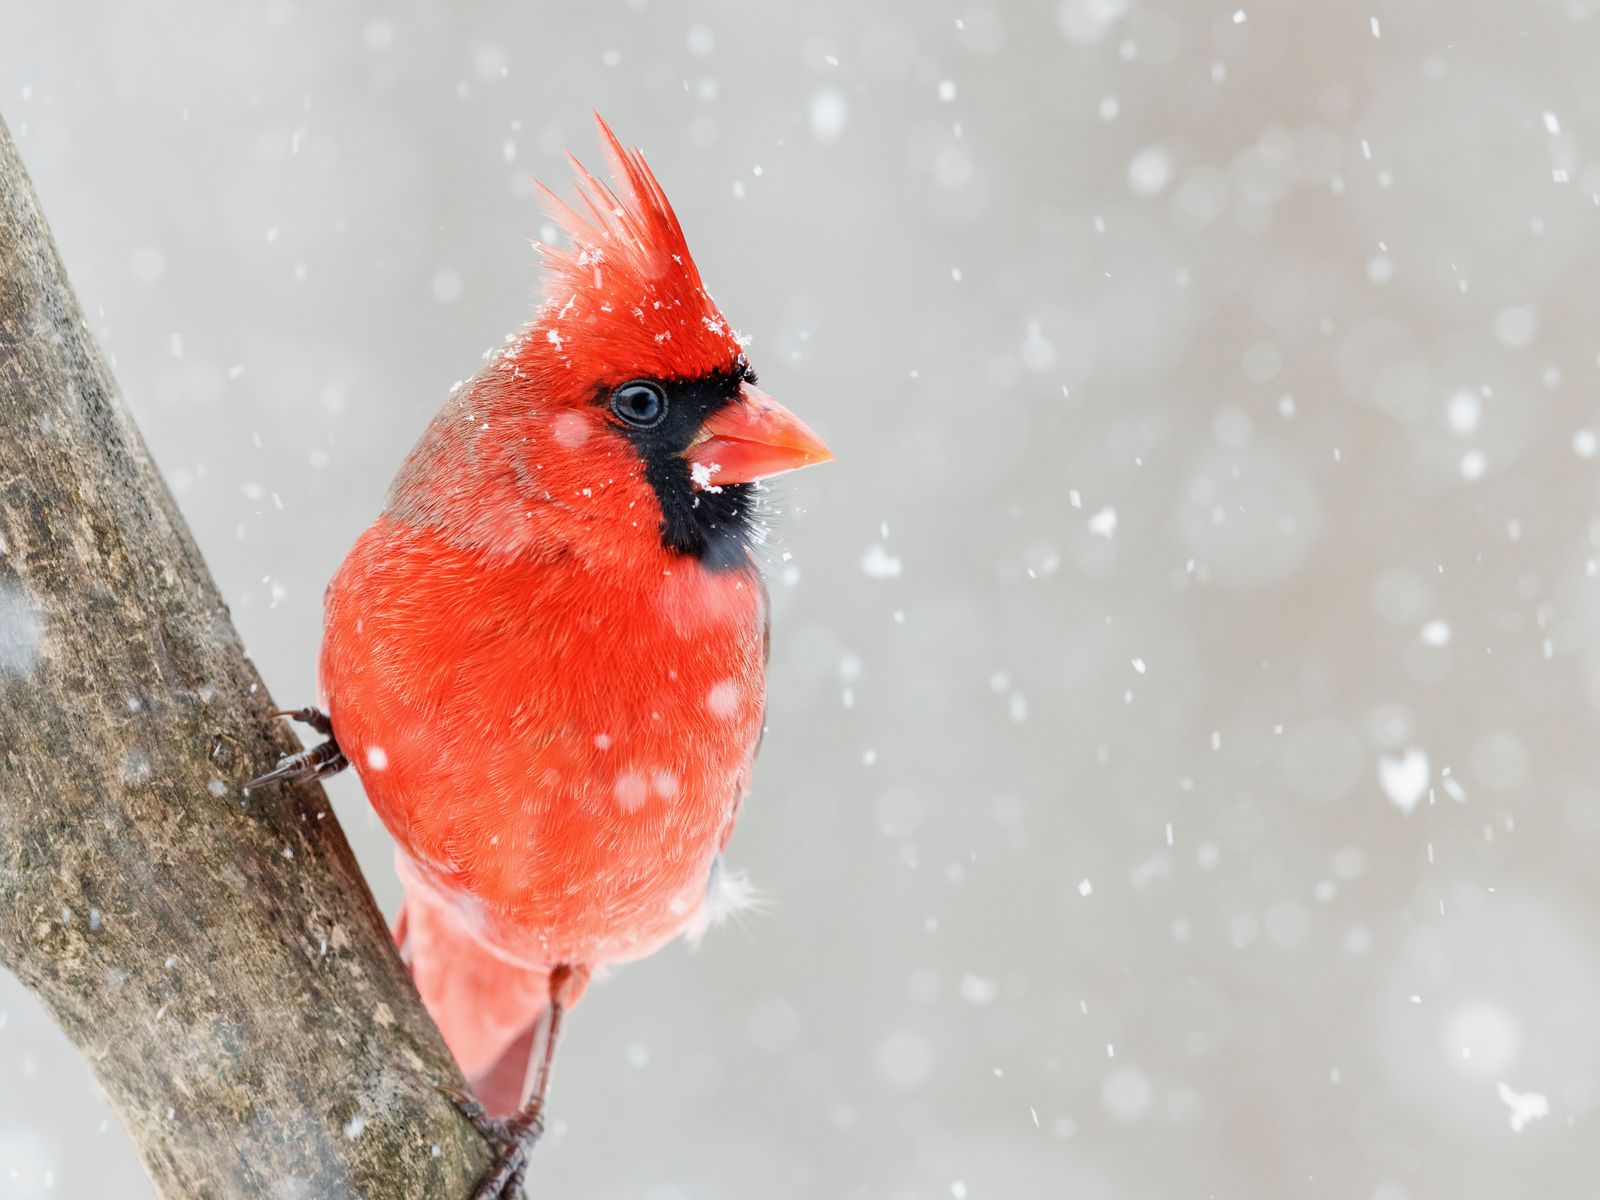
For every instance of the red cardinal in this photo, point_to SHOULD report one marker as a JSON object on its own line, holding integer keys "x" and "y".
{"x": 546, "y": 659}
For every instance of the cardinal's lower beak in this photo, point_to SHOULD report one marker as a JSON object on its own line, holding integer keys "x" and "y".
{"x": 753, "y": 439}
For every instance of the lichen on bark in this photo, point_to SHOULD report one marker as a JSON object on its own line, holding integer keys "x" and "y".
{"x": 217, "y": 956}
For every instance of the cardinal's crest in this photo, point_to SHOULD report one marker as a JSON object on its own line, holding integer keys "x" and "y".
{"x": 626, "y": 293}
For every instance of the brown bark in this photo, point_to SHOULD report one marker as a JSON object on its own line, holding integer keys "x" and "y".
{"x": 217, "y": 957}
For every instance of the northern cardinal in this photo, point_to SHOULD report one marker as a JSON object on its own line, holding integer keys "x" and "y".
{"x": 546, "y": 659}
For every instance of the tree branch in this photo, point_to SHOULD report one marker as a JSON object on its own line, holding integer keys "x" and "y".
{"x": 217, "y": 958}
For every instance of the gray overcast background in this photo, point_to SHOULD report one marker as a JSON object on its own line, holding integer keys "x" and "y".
{"x": 1183, "y": 778}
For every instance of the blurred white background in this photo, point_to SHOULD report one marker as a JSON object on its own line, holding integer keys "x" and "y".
{"x": 1182, "y": 778}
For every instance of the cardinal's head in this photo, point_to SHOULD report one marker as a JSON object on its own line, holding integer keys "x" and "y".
{"x": 628, "y": 401}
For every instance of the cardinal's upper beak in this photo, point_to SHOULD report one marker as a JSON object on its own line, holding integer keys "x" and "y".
{"x": 753, "y": 439}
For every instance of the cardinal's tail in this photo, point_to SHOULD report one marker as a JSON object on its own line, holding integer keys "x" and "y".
{"x": 486, "y": 1007}
{"x": 504, "y": 1087}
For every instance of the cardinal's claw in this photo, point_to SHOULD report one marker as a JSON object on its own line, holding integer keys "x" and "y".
{"x": 513, "y": 1142}
{"x": 308, "y": 715}
{"x": 468, "y": 1106}
{"x": 317, "y": 763}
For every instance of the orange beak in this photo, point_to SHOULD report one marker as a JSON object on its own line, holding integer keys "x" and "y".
{"x": 755, "y": 439}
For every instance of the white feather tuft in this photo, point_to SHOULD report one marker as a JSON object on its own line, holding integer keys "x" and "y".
{"x": 728, "y": 893}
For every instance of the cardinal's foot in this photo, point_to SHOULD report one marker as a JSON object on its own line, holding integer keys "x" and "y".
{"x": 512, "y": 1139}
{"x": 309, "y": 715}
{"x": 316, "y": 763}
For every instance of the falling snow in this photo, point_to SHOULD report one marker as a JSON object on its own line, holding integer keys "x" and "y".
{"x": 1182, "y": 688}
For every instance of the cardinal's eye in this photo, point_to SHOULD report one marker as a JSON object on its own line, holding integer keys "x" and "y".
{"x": 640, "y": 403}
